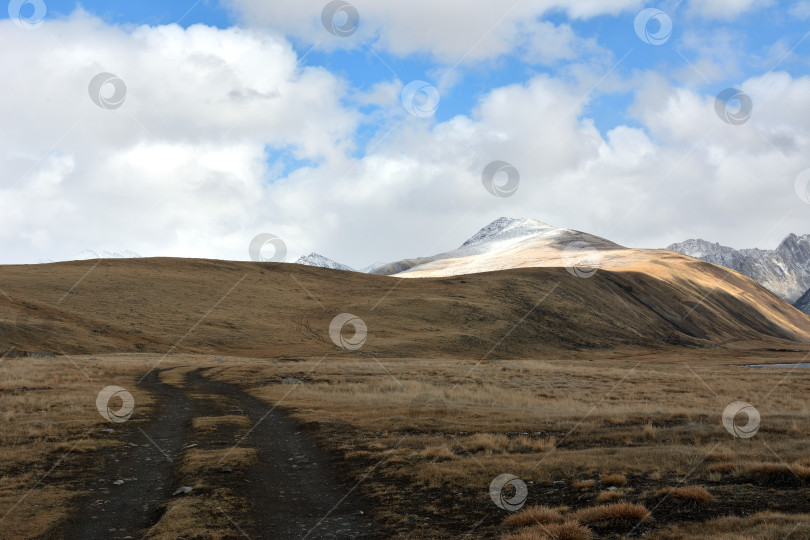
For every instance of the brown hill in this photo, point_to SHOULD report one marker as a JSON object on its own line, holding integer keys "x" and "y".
{"x": 284, "y": 310}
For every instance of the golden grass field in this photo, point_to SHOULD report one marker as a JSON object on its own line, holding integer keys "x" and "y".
{"x": 427, "y": 436}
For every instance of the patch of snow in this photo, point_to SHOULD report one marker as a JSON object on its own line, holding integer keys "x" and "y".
{"x": 314, "y": 259}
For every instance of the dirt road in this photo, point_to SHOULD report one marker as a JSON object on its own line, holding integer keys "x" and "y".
{"x": 292, "y": 491}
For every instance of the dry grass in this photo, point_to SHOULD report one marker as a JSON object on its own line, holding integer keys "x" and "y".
{"x": 608, "y": 495}
{"x": 49, "y": 417}
{"x": 438, "y": 453}
{"x": 210, "y": 424}
{"x": 759, "y": 526}
{"x": 688, "y": 493}
{"x": 570, "y": 530}
{"x": 486, "y": 442}
{"x": 775, "y": 470}
{"x": 534, "y": 515}
{"x": 621, "y": 512}
{"x": 197, "y": 462}
{"x": 613, "y": 480}
{"x": 433, "y": 429}
{"x": 197, "y": 517}
{"x": 584, "y": 485}
{"x": 491, "y": 419}
{"x": 211, "y": 516}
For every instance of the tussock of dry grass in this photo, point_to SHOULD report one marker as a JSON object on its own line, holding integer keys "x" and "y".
{"x": 208, "y": 424}
{"x": 196, "y": 461}
{"x": 438, "y": 453}
{"x": 584, "y": 485}
{"x": 614, "y": 480}
{"x": 570, "y": 530}
{"x": 775, "y": 470}
{"x": 357, "y": 454}
{"x": 688, "y": 493}
{"x": 617, "y": 512}
{"x": 534, "y": 515}
{"x": 191, "y": 516}
{"x": 486, "y": 442}
{"x": 722, "y": 467}
{"x": 608, "y": 495}
{"x": 759, "y": 526}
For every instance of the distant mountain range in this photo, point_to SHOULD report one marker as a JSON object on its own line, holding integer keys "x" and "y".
{"x": 547, "y": 289}
{"x": 508, "y": 243}
{"x": 785, "y": 271}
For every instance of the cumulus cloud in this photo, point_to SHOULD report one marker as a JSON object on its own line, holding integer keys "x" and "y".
{"x": 451, "y": 31}
{"x": 189, "y": 164}
{"x": 181, "y": 166}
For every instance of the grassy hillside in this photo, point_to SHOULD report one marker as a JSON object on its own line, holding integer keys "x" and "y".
{"x": 265, "y": 309}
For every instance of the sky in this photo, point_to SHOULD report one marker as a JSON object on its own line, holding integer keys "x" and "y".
{"x": 366, "y": 131}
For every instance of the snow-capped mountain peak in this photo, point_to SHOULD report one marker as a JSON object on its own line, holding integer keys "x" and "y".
{"x": 507, "y": 229}
{"x": 314, "y": 259}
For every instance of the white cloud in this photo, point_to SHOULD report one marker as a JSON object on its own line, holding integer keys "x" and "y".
{"x": 547, "y": 43}
{"x": 725, "y": 9}
{"x": 182, "y": 168}
{"x": 451, "y": 30}
{"x": 202, "y": 105}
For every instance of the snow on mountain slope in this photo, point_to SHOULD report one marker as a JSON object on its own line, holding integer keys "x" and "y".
{"x": 509, "y": 243}
{"x": 785, "y": 271}
{"x": 314, "y": 259}
{"x": 89, "y": 254}
{"x": 507, "y": 229}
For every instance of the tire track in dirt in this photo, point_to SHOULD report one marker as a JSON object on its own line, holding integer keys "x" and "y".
{"x": 294, "y": 491}
{"x": 119, "y": 511}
